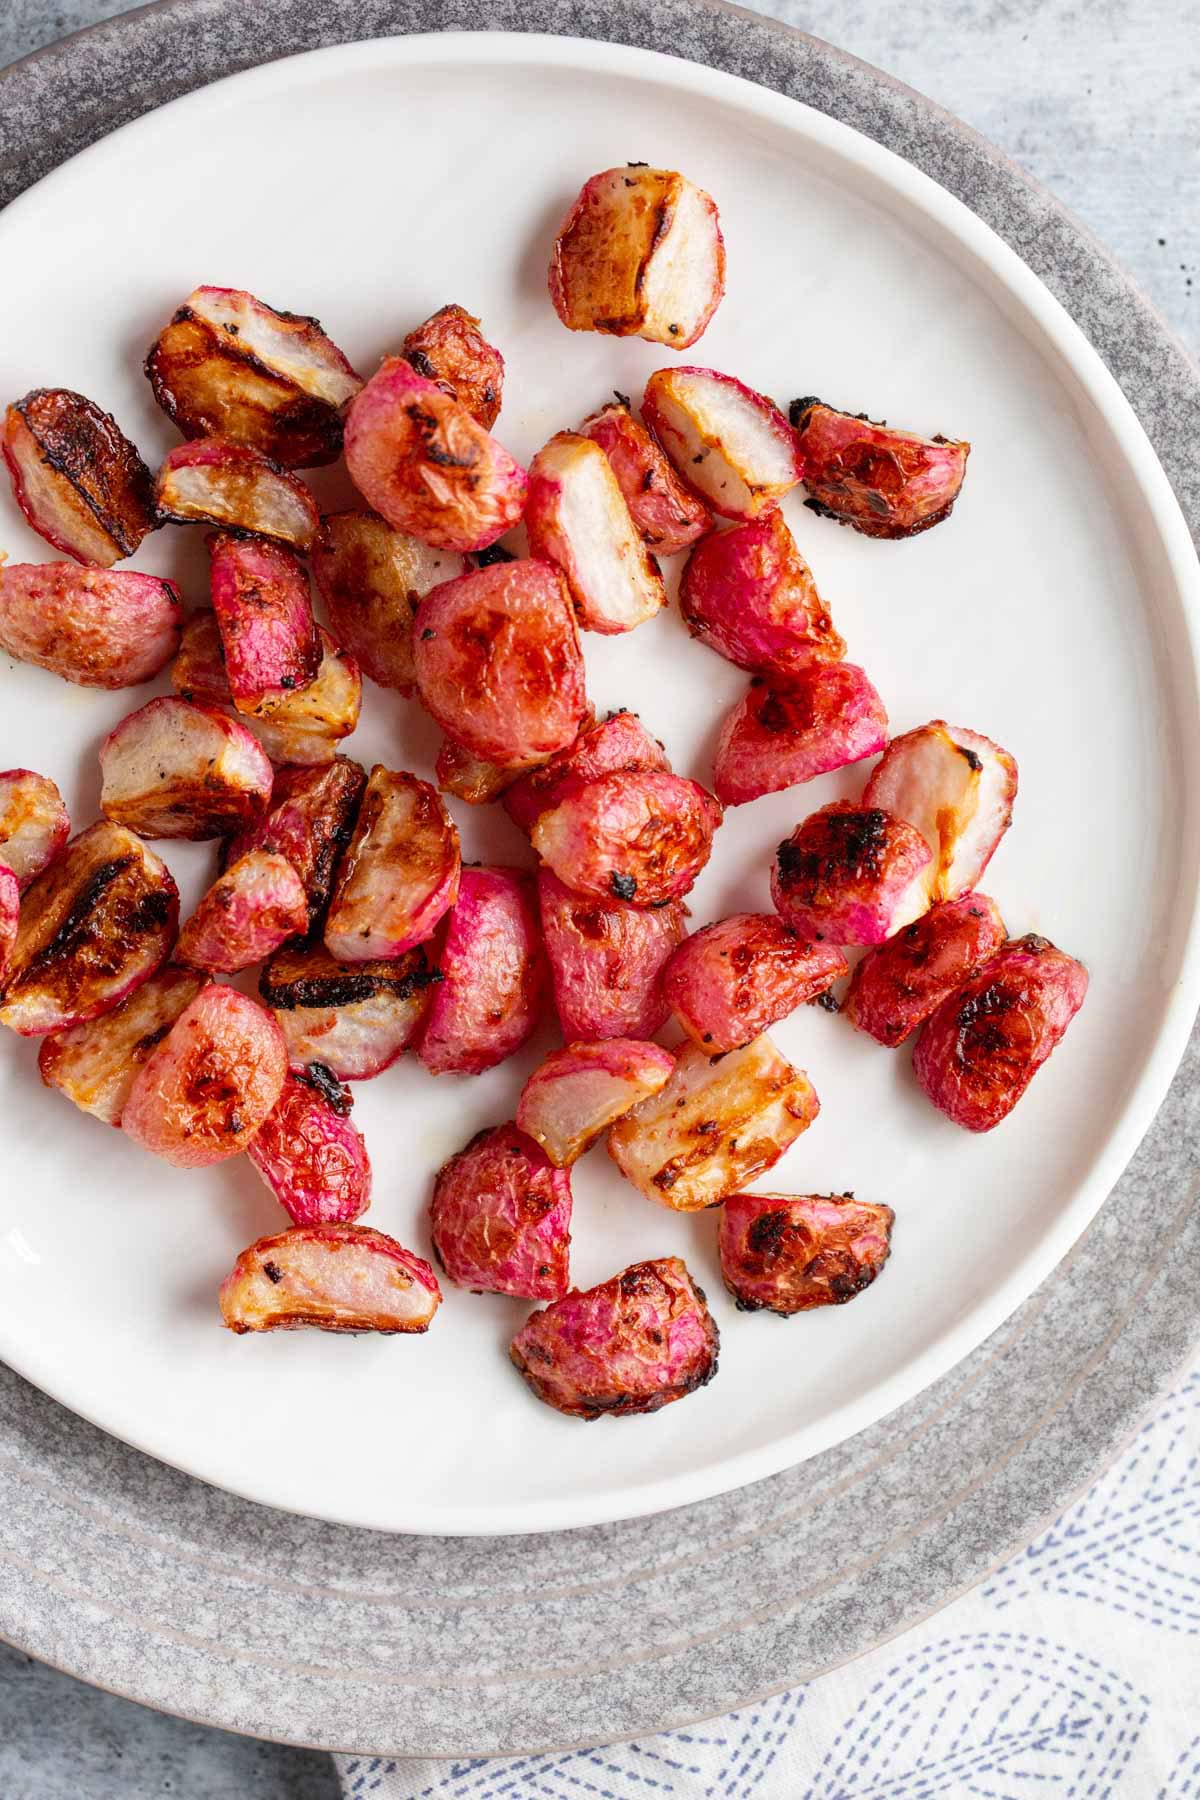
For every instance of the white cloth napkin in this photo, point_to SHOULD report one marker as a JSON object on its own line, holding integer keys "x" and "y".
{"x": 1072, "y": 1674}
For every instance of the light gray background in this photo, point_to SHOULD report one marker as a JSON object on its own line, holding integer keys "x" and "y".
{"x": 1098, "y": 100}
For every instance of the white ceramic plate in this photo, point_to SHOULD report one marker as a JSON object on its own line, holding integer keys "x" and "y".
{"x": 1055, "y": 612}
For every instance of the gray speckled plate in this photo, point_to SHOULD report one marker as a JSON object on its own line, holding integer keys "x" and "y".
{"x": 138, "y": 1578}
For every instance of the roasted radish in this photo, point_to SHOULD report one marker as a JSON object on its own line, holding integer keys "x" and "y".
{"x": 105, "y": 628}
{"x": 212, "y": 481}
{"x": 95, "y": 1064}
{"x": 717, "y": 1123}
{"x": 640, "y": 836}
{"x": 398, "y": 874}
{"x": 501, "y": 1215}
{"x": 620, "y": 741}
{"x": 264, "y": 612}
{"x": 576, "y": 518}
{"x": 422, "y": 460}
{"x": 493, "y": 968}
{"x": 256, "y": 905}
{"x": 472, "y": 778}
{"x": 198, "y": 672}
{"x": 33, "y": 823}
{"x": 729, "y": 982}
{"x": 983, "y": 1046}
{"x": 228, "y": 366}
{"x": 749, "y": 594}
{"x": 498, "y": 661}
{"x": 76, "y": 477}
{"x": 578, "y": 1092}
{"x": 640, "y": 254}
{"x": 353, "y": 1020}
{"x": 888, "y": 484}
{"x": 899, "y": 984}
{"x": 306, "y": 726}
{"x": 732, "y": 446}
{"x": 372, "y": 578}
{"x": 312, "y": 1157}
{"x": 10, "y": 918}
{"x": 851, "y": 874}
{"x": 180, "y": 770}
{"x": 778, "y": 736}
{"x": 790, "y": 1252}
{"x": 665, "y": 511}
{"x": 958, "y": 789}
{"x": 606, "y": 961}
{"x": 449, "y": 348}
{"x": 94, "y": 925}
{"x": 631, "y": 1345}
{"x": 335, "y": 1277}
{"x": 310, "y": 821}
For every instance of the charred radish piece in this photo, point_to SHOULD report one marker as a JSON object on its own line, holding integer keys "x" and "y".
{"x": 10, "y": 919}
{"x": 498, "y": 662}
{"x": 450, "y": 348}
{"x": 353, "y": 1020}
{"x": 212, "y": 481}
{"x": 728, "y": 983}
{"x": 205, "y": 1090}
{"x": 256, "y": 905}
{"x": 312, "y": 1157}
{"x": 493, "y": 969}
{"x": 577, "y": 1093}
{"x": 95, "y": 925}
{"x": 501, "y": 1216}
{"x": 421, "y": 459}
{"x": 639, "y": 836}
{"x": 887, "y": 484}
{"x": 716, "y": 1124}
{"x": 665, "y": 512}
{"x": 334, "y": 1277}
{"x": 851, "y": 875}
{"x": 399, "y": 873}
{"x": 957, "y": 788}
{"x": 733, "y": 447}
{"x": 229, "y": 366}
{"x": 174, "y": 769}
{"x": 606, "y": 961}
{"x": 310, "y": 822}
{"x": 749, "y": 594}
{"x": 632, "y": 1345}
{"x": 576, "y": 518}
{"x": 983, "y": 1046}
{"x": 899, "y": 984}
{"x": 779, "y": 736}
{"x": 372, "y": 579}
{"x": 787, "y": 1253}
{"x": 640, "y": 254}
{"x": 619, "y": 742}
{"x": 105, "y": 628}
{"x": 264, "y": 613}
{"x": 76, "y": 477}
{"x": 33, "y": 823}
{"x": 95, "y": 1064}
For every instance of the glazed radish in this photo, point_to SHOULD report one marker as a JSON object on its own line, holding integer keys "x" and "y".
{"x": 717, "y": 1123}
{"x": 398, "y": 874}
{"x": 179, "y": 770}
{"x": 576, "y": 518}
{"x": 94, "y": 925}
{"x": 640, "y": 254}
{"x": 212, "y": 481}
{"x": 606, "y": 961}
{"x": 95, "y": 1064}
{"x": 983, "y": 1046}
{"x": 450, "y": 348}
{"x": 887, "y": 484}
{"x": 422, "y": 460}
{"x": 312, "y": 1157}
{"x": 727, "y": 983}
{"x": 333, "y": 1277}
{"x": 203, "y": 1092}
{"x": 256, "y": 905}
{"x": 493, "y": 968}
{"x": 749, "y": 594}
{"x": 105, "y": 628}
{"x": 310, "y": 821}
{"x": 578, "y": 1092}
{"x": 76, "y": 477}
{"x": 264, "y": 612}
{"x": 788, "y": 1253}
{"x": 34, "y": 824}
{"x": 10, "y": 919}
{"x": 641, "y": 836}
{"x": 957, "y": 788}
{"x": 665, "y": 511}
{"x": 733, "y": 447}
{"x": 372, "y": 579}
{"x": 851, "y": 875}
{"x": 498, "y": 661}
{"x": 779, "y": 736}
{"x": 353, "y": 1020}
{"x": 229, "y": 366}
{"x": 899, "y": 984}
{"x": 620, "y": 741}
{"x": 501, "y": 1217}
{"x": 632, "y": 1345}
